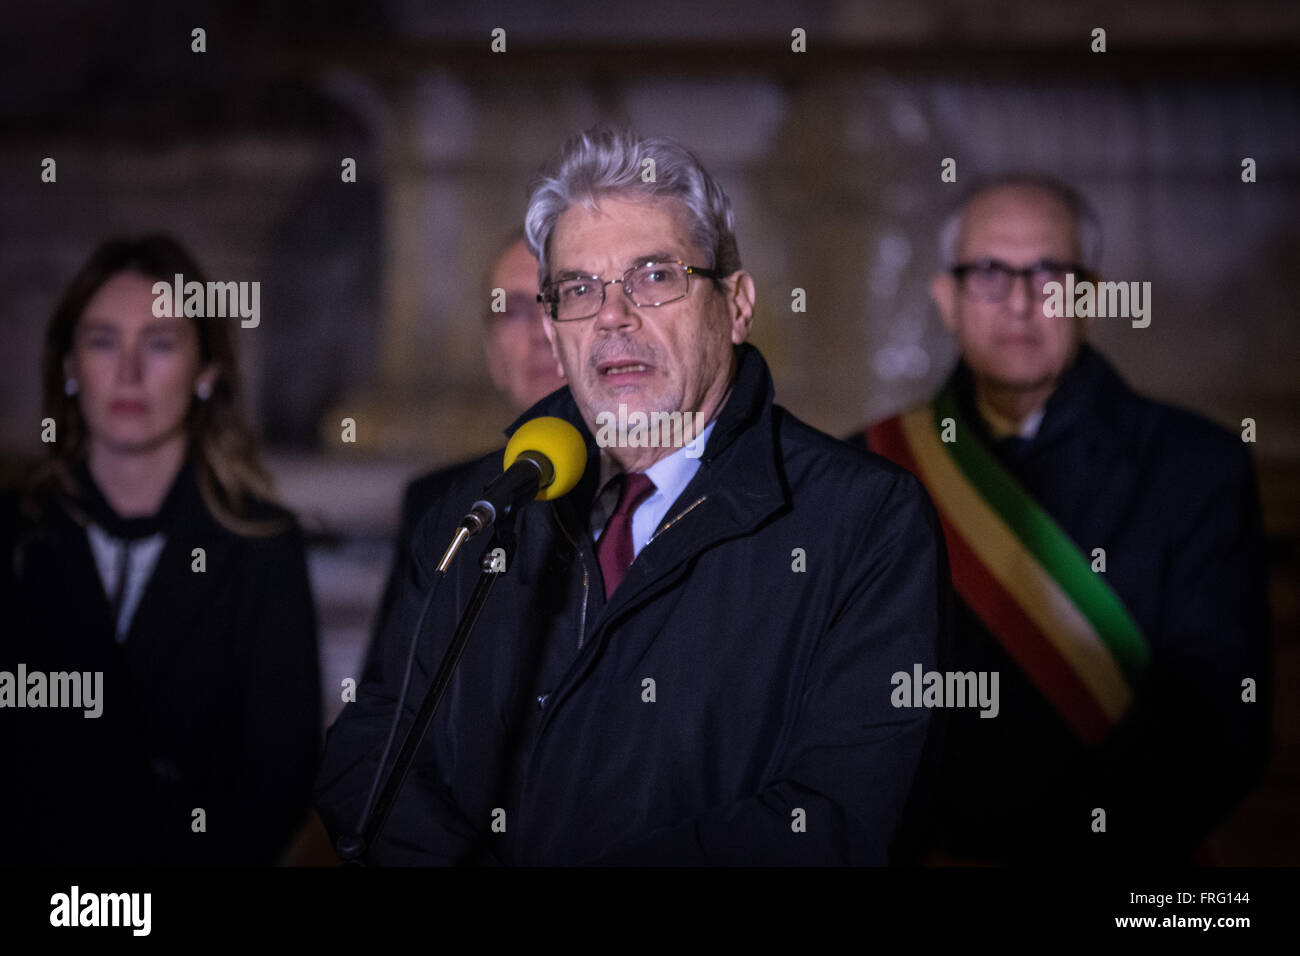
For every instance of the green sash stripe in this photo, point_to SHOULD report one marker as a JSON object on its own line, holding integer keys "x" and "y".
{"x": 1059, "y": 556}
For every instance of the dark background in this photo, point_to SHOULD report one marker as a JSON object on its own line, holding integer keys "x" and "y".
{"x": 371, "y": 291}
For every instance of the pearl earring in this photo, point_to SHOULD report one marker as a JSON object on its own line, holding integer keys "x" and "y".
{"x": 70, "y": 387}
{"x": 203, "y": 390}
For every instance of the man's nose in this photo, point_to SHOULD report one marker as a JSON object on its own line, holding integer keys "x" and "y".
{"x": 1020, "y": 297}
{"x": 617, "y": 311}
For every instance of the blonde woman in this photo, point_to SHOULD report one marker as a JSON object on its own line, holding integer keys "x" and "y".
{"x": 147, "y": 548}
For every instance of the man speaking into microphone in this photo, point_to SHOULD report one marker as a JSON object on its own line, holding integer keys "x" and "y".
{"x": 688, "y": 658}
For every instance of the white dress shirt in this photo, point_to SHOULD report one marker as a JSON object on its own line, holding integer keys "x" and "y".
{"x": 1002, "y": 427}
{"x": 108, "y": 552}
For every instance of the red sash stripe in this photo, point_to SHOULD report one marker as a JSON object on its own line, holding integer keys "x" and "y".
{"x": 1000, "y": 612}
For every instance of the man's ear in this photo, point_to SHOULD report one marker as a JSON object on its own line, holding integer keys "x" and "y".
{"x": 943, "y": 291}
{"x": 548, "y": 326}
{"x": 740, "y": 304}
{"x": 70, "y": 366}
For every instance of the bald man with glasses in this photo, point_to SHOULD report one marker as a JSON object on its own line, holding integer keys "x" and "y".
{"x": 1107, "y": 554}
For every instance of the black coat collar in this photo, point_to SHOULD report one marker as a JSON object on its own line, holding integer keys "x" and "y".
{"x": 182, "y": 496}
{"x": 1084, "y": 464}
{"x": 744, "y": 453}
{"x": 739, "y": 485}
{"x": 1090, "y": 391}
{"x": 176, "y": 593}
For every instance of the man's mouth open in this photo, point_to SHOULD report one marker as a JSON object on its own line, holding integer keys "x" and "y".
{"x": 624, "y": 371}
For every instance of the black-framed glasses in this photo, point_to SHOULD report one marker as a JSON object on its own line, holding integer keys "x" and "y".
{"x": 990, "y": 280}
{"x": 650, "y": 284}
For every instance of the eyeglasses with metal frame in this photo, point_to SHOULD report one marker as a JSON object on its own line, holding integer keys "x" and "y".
{"x": 573, "y": 296}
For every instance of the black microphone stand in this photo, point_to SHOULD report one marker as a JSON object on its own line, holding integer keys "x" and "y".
{"x": 353, "y": 847}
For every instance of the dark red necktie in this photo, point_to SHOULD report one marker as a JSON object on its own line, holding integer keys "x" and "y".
{"x": 614, "y": 549}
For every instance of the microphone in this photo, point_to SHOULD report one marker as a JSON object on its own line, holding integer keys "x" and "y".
{"x": 544, "y": 459}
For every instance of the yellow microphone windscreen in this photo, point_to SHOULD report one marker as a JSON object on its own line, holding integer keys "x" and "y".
{"x": 557, "y": 440}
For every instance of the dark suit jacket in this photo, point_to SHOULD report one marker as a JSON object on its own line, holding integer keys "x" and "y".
{"x": 1172, "y": 500}
{"x": 212, "y": 701}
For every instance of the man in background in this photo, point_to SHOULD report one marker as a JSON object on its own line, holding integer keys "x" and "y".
{"x": 520, "y": 363}
{"x": 1107, "y": 553}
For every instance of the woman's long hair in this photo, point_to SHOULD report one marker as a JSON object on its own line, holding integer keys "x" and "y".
{"x": 226, "y": 465}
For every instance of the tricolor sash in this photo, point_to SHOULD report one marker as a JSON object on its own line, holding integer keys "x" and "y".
{"x": 1021, "y": 573}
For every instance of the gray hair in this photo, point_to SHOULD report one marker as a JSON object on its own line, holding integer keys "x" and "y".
{"x": 601, "y": 161}
{"x": 1087, "y": 224}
